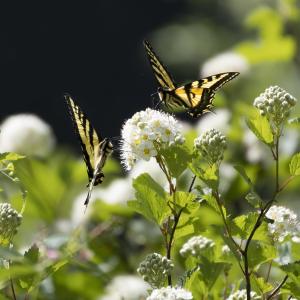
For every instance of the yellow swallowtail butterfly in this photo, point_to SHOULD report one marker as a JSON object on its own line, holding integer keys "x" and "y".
{"x": 195, "y": 97}
{"x": 94, "y": 148}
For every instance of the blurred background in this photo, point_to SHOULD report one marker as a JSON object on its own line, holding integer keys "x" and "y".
{"x": 94, "y": 51}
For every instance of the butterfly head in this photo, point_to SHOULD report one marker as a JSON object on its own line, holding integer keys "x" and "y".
{"x": 162, "y": 94}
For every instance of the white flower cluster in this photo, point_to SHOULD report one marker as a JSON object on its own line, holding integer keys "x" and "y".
{"x": 127, "y": 287}
{"x": 26, "y": 134}
{"x": 170, "y": 293}
{"x": 145, "y": 133}
{"x": 196, "y": 245}
{"x": 223, "y": 62}
{"x": 155, "y": 269}
{"x": 275, "y": 103}
{"x": 10, "y": 220}
{"x": 242, "y": 295}
{"x": 285, "y": 223}
{"x": 211, "y": 145}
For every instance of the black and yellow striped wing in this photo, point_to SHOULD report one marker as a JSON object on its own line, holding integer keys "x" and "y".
{"x": 196, "y": 97}
{"x": 88, "y": 137}
{"x": 160, "y": 72}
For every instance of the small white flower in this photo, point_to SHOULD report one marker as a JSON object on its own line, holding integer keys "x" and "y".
{"x": 127, "y": 287}
{"x": 119, "y": 191}
{"x": 225, "y": 250}
{"x": 26, "y": 134}
{"x": 242, "y": 295}
{"x": 170, "y": 293}
{"x": 285, "y": 223}
{"x": 224, "y": 62}
{"x": 196, "y": 245}
{"x": 145, "y": 133}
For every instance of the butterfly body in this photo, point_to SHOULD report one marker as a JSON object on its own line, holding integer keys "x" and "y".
{"x": 95, "y": 149}
{"x": 195, "y": 97}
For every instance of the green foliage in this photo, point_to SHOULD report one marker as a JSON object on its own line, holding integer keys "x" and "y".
{"x": 260, "y": 126}
{"x": 176, "y": 158}
{"x": 295, "y": 165}
{"x": 272, "y": 44}
{"x": 151, "y": 199}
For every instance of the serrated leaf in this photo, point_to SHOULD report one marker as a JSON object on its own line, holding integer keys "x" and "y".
{"x": 182, "y": 199}
{"x": 151, "y": 199}
{"x": 209, "y": 271}
{"x": 295, "y": 165}
{"x": 10, "y": 156}
{"x": 260, "y": 126}
{"x": 259, "y": 253}
{"x": 242, "y": 226}
{"x": 261, "y": 284}
{"x": 209, "y": 175}
{"x": 187, "y": 221}
{"x": 177, "y": 158}
{"x": 32, "y": 254}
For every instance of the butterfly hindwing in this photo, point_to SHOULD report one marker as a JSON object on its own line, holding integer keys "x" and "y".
{"x": 196, "y": 97}
{"x": 160, "y": 72}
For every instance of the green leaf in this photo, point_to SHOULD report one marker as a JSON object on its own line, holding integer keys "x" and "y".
{"x": 32, "y": 255}
{"x": 244, "y": 175}
{"x": 295, "y": 165}
{"x": 177, "y": 158}
{"x": 261, "y": 284}
{"x": 151, "y": 199}
{"x": 11, "y": 156}
{"x": 209, "y": 175}
{"x": 254, "y": 199}
{"x": 260, "y": 252}
{"x": 183, "y": 199}
{"x": 260, "y": 126}
{"x": 210, "y": 271}
{"x": 242, "y": 225}
{"x": 187, "y": 221}
{"x": 293, "y": 270}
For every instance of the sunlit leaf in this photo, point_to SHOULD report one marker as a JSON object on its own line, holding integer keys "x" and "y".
{"x": 151, "y": 199}
{"x": 295, "y": 165}
{"x": 260, "y": 126}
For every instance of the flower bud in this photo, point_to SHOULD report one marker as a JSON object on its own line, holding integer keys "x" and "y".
{"x": 155, "y": 269}
{"x": 10, "y": 220}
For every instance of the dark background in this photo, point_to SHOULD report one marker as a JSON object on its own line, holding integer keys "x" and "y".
{"x": 91, "y": 49}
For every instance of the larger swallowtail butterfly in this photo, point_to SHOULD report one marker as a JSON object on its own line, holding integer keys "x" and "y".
{"x": 95, "y": 149}
{"x": 195, "y": 97}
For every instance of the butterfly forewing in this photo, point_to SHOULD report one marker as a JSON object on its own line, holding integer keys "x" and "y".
{"x": 88, "y": 137}
{"x": 160, "y": 72}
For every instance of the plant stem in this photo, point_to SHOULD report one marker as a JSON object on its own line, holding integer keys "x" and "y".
{"x": 278, "y": 288}
{"x": 12, "y": 289}
{"x": 192, "y": 184}
{"x": 269, "y": 270}
{"x": 170, "y": 242}
{"x": 260, "y": 219}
